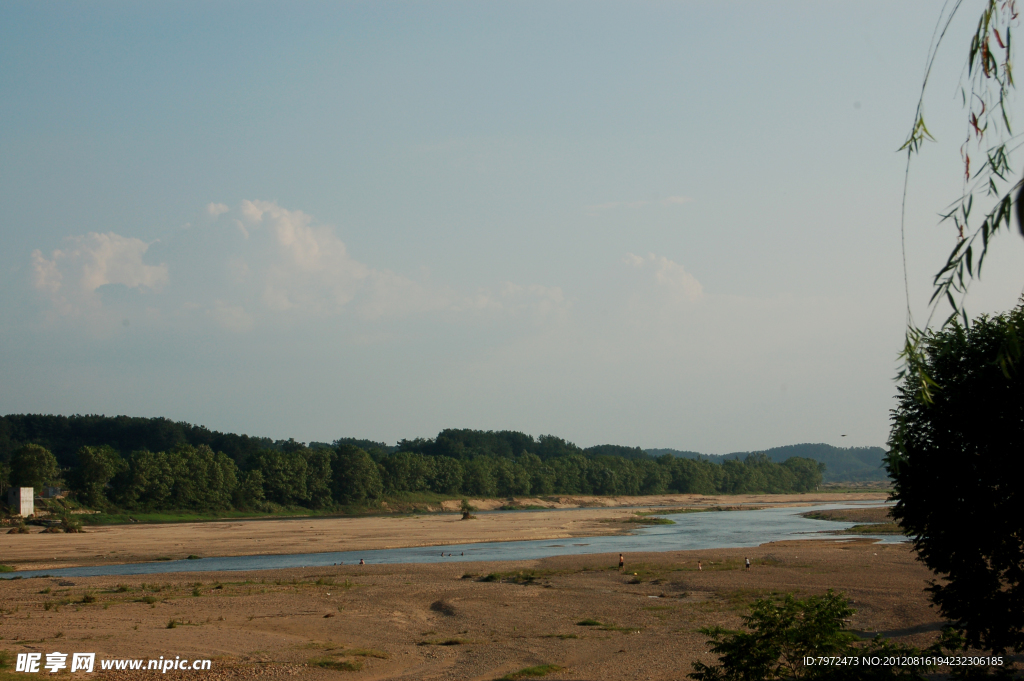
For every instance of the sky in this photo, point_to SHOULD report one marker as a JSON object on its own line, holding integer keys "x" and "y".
{"x": 655, "y": 224}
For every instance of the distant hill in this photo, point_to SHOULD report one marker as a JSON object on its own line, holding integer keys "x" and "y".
{"x": 841, "y": 463}
{"x": 682, "y": 454}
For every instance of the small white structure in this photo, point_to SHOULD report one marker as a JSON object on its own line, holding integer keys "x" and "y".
{"x": 20, "y": 500}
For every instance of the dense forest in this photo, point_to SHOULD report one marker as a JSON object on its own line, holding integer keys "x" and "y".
{"x": 156, "y": 464}
{"x": 842, "y": 463}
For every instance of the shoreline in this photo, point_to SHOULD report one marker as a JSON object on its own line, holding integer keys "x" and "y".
{"x": 567, "y": 518}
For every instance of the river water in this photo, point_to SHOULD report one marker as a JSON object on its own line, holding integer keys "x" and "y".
{"x": 691, "y": 531}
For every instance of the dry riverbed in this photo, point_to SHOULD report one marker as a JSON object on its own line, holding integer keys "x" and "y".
{"x": 564, "y": 517}
{"x": 453, "y": 622}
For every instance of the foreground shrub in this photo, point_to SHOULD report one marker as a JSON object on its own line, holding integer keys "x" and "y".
{"x": 781, "y": 636}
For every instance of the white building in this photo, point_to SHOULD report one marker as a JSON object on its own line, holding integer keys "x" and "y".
{"x": 20, "y": 500}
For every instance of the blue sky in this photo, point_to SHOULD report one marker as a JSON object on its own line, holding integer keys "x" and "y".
{"x": 654, "y": 224}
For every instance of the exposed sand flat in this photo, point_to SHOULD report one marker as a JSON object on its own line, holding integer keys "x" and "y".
{"x": 272, "y": 624}
{"x": 567, "y": 517}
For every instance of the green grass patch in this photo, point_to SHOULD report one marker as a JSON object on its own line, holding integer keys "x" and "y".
{"x": 517, "y": 576}
{"x": 656, "y": 573}
{"x": 367, "y": 652}
{"x": 645, "y": 521}
{"x": 117, "y": 517}
{"x": 873, "y": 528}
{"x": 337, "y": 665}
{"x": 604, "y": 626}
{"x": 531, "y": 672}
{"x": 704, "y": 509}
{"x": 874, "y": 514}
{"x": 55, "y": 605}
{"x": 740, "y": 599}
{"x": 6, "y": 568}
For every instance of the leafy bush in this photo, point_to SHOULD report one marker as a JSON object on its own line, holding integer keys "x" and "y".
{"x": 780, "y": 636}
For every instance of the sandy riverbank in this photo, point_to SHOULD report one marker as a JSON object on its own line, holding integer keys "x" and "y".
{"x": 566, "y": 517}
{"x": 392, "y": 621}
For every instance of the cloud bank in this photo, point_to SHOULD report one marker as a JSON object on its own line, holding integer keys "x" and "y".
{"x": 268, "y": 262}
{"x": 71, "y": 276}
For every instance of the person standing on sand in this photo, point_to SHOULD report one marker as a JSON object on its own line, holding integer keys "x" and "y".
{"x": 700, "y": 568}
{"x": 622, "y": 561}
{"x": 748, "y": 563}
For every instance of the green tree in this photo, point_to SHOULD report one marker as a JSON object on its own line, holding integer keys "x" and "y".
{"x": 691, "y": 476}
{"x": 284, "y": 475}
{"x": 447, "y": 475}
{"x": 248, "y": 494}
{"x": 96, "y": 467}
{"x": 780, "y": 636}
{"x": 33, "y": 466}
{"x": 570, "y": 474}
{"x": 407, "y": 471}
{"x": 958, "y": 416}
{"x": 510, "y": 478}
{"x": 478, "y": 479}
{"x": 542, "y": 475}
{"x": 356, "y": 477}
{"x": 950, "y": 460}
{"x": 655, "y": 477}
{"x": 807, "y": 473}
{"x": 318, "y": 477}
{"x": 202, "y": 480}
{"x": 145, "y": 483}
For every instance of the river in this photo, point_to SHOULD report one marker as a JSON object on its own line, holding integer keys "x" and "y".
{"x": 690, "y": 531}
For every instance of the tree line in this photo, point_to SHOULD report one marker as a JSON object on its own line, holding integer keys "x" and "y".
{"x": 455, "y": 463}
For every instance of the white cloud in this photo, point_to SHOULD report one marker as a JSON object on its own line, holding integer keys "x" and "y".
{"x": 670, "y": 276}
{"x": 230, "y": 317}
{"x": 541, "y": 299}
{"x": 287, "y": 263}
{"x": 308, "y": 267}
{"x": 71, "y": 276}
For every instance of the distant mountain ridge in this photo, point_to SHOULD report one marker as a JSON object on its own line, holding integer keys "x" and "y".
{"x": 842, "y": 464}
